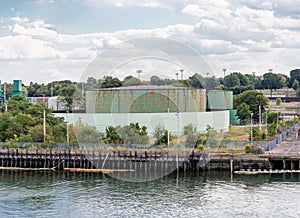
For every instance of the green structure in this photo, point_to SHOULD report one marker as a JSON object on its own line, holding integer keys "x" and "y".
{"x": 17, "y": 89}
{"x": 145, "y": 99}
{"x": 1, "y": 94}
{"x": 234, "y": 120}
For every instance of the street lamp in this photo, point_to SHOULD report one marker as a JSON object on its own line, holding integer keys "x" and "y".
{"x": 177, "y": 114}
{"x": 251, "y": 131}
{"x": 181, "y": 71}
{"x": 224, "y": 70}
{"x": 139, "y": 73}
{"x": 267, "y": 108}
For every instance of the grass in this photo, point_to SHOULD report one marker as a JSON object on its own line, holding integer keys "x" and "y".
{"x": 237, "y": 133}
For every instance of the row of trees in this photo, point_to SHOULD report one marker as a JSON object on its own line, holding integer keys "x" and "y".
{"x": 236, "y": 81}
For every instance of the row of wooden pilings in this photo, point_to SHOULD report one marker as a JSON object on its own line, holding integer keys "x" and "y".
{"x": 134, "y": 160}
{"x": 92, "y": 160}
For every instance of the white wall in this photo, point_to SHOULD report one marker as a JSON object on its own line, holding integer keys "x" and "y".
{"x": 219, "y": 120}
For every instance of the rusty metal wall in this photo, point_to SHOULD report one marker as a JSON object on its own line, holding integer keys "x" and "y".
{"x": 146, "y": 100}
{"x": 219, "y": 100}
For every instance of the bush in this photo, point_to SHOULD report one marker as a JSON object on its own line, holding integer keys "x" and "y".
{"x": 201, "y": 147}
{"x": 248, "y": 149}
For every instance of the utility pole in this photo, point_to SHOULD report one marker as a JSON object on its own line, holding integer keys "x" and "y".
{"x": 168, "y": 127}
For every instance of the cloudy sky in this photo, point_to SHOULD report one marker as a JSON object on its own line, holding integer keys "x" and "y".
{"x": 44, "y": 41}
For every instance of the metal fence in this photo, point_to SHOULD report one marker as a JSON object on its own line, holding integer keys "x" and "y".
{"x": 272, "y": 144}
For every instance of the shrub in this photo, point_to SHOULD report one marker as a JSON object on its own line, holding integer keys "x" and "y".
{"x": 248, "y": 149}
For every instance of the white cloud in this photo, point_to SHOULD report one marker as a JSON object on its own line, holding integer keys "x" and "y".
{"x": 25, "y": 47}
{"x": 231, "y": 34}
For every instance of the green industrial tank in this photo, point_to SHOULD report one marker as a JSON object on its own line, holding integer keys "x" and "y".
{"x": 219, "y": 100}
{"x": 145, "y": 99}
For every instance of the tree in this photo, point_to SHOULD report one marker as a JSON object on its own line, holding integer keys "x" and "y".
{"x": 111, "y": 136}
{"x": 86, "y": 134}
{"x": 278, "y": 101}
{"x": 156, "y": 81}
{"x": 295, "y": 84}
{"x": 191, "y": 136}
{"x": 110, "y": 82}
{"x": 196, "y": 81}
{"x": 272, "y": 81}
{"x": 131, "y": 81}
{"x": 298, "y": 92}
{"x": 295, "y": 75}
{"x": 161, "y": 135}
{"x": 252, "y": 98}
{"x": 231, "y": 80}
{"x": 67, "y": 95}
{"x": 243, "y": 112}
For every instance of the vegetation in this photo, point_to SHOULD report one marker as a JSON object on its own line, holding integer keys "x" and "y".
{"x": 23, "y": 122}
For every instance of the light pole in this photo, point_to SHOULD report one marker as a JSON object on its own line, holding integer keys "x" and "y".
{"x": 4, "y": 91}
{"x": 267, "y": 108}
{"x": 177, "y": 114}
{"x": 277, "y": 122}
{"x": 139, "y": 73}
{"x": 67, "y": 122}
{"x": 181, "y": 71}
{"x": 251, "y": 131}
{"x": 168, "y": 127}
{"x": 44, "y": 125}
{"x": 224, "y": 70}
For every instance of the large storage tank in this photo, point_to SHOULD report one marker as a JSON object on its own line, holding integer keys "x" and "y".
{"x": 145, "y": 99}
{"x": 219, "y": 100}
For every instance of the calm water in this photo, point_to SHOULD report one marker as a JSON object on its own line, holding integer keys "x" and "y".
{"x": 36, "y": 194}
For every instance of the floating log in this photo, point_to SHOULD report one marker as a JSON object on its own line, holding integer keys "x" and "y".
{"x": 265, "y": 172}
{"x": 27, "y": 169}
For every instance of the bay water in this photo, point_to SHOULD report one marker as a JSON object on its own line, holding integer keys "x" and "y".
{"x": 212, "y": 194}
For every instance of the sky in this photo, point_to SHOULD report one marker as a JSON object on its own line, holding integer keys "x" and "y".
{"x": 48, "y": 40}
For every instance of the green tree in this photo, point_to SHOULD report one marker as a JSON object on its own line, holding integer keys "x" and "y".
{"x": 161, "y": 135}
{"x": 156, "y": 81}
{"x": 278, "y": 101}
{"x": 272, "y": 81}
{"x": 191, "y": 136}
{"x": 110, "y": 82}
{"x": 243, "y": 112}
{"x": 67, "y": 95}
{"x": 231, "y": 80}
{"x": 298, "y": 92}
{"x": 252, "y": 98}
{"x": 196, "y": 81}
{"x": 295, "y": 84}
{"x": 86, "y": 133}
{"x": 131, "y": 81}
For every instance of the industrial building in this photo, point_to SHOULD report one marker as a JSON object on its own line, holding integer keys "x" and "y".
{"x": 171, "y": 107}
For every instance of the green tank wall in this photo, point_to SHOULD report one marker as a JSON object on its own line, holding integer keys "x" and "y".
{"x": 17, "y": 89}
{"x": 219, "y": 100}
{"x": 234, "y": 120}
{"x": 145, "y": 100}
